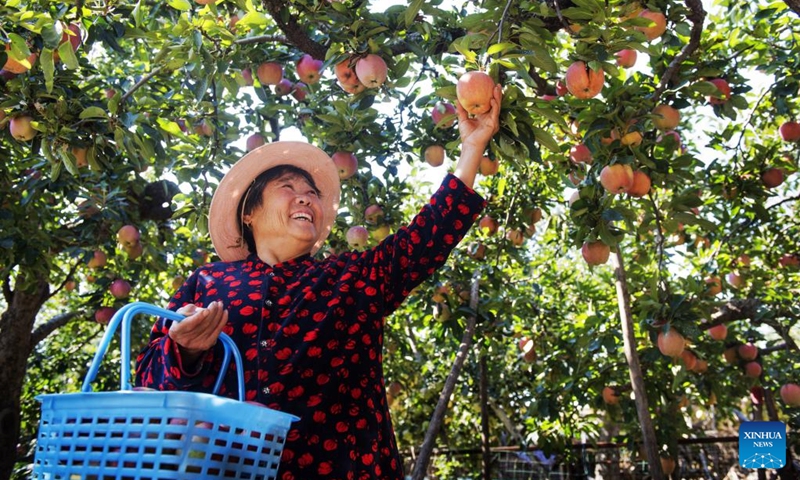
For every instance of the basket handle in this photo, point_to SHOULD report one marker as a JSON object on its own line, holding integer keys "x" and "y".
{"x": 125, "y": 315}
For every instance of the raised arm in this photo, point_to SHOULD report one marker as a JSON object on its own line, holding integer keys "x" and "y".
{"x": 475, "y": 135}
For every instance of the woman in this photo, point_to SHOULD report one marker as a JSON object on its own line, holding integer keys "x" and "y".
{"x": 310, "y": 331}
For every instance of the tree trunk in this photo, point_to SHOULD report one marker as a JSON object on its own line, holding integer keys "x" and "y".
{"x": 635, "y": 369}
{"x": 426, "y": 450}
{"x": 16, "y": 324}
{"x": 483, "y": 385}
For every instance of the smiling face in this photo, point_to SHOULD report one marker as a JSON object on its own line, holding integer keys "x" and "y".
{"x": 287, "y": 221}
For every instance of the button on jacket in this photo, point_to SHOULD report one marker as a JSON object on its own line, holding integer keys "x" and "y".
{"x": 311, "y": 336}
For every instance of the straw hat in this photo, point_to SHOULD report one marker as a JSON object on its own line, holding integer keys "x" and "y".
{"x": 223, "y": 218}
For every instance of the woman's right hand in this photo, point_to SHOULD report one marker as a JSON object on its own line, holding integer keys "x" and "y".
{"x": 200, "y": 330}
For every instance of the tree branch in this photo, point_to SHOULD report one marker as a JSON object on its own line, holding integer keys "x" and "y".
{"x": 734, "y": 310}
{"x": 42, "y": 331}
{"x": 141, "y": 82}
{"x": 794, "y": 5}
{"x": 697, "y": 17}
{"x": 295, "y": 33}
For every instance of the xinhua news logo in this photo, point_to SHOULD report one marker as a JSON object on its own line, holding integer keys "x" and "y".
{"x": 762, "y": 445}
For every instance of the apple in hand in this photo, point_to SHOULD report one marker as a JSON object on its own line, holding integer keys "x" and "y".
{"x": 475, "y": 91}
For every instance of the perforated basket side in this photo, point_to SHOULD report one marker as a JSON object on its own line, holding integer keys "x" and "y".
{"x": 147, "y": 435}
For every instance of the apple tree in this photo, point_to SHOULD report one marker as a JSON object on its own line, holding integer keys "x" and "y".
{"x": 643, "y": 182}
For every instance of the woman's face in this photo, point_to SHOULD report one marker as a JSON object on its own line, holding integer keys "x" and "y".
{"x": 291, "y": 211}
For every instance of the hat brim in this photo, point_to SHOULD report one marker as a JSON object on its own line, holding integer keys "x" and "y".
{"x": 223, "y": 218}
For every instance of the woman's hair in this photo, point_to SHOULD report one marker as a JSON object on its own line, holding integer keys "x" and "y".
{"x": 253, "y": 197}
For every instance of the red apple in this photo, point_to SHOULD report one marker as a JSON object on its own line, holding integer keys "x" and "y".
{"x": 515, "y": 236}
{"x": 658, "y": 27}
{"x": 21, "y": 128}
{"x": 98, "y": 259}
{"x": 561, "y": 88}
{"x": 346, "y": 164}
{"x": 616, "y": 178}
{"x": 80, "y": 156}
{"x": 373, "y": 214}
{"x": 640, "y": 186}
{"x": 772, "y": 177}
{"x": 70, "y": 285}
{"x": 595, "y": 253}
{"x": 269, "y": 73}
{"x": 128, "y": 235}
{"x": 74, "y": 35}
{"x": 667, "y": 465}
{"x": 583, "y": 82}
{"x": 666, "y": 117}
{"x": 580, "y": 153}
{"x": 177, "y": 282}
{"x": 308, "y": 69}
{"x": 443, "y": 114}
{"x": 689, "y": 360}
{"x": 734, "y": 280}
{"x": 488, "y": 225}
{"x": 254, "y": 141}
{"x": 790, "y": 131}
{"x": 247, "y": 75}
{"x": 372, "y": 71}
{"x": 670, "y": 134}
{"x": 357, "y": 236}
{"x": 724, "y": 91}
{"x": 718, "y": 332}
{"x": 134, "y": 251}
{"x": 353, "y": 89}
{"x": 284, "y": 87}
{"x": 671, "y": 343}
{"x": 747, "y": 351}
{"x": 488, "y": 167}
{"x": 526, "y": 345}
{"x": 790, "y": 394}
{"x": 789, "y": 260}
{"x": 434, "y": 155}
{"x": 474, "y": 91}
{"x": 13, "y": 66}
{"x": 610, "y": 396}
{"x": 476, "y": 250}
{"x": 103, "y": 315}
{"x": 626, "y": 58}
{"x": 713, "y": 286}
{"x": 204, "y": 129}
{"x": 345, "y": 74}
{"x": 120, "y": 288}
{"x": 441, "y": 312}
{"x": 752, "y": 369}
{"x": 744, "y": 260}
{"x": 300, "y": 91}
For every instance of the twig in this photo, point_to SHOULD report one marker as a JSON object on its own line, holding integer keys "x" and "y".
{"x": 41, "y": 332}
{"x": 697, "y": 17}
{"x": 141, "y": 82}
{"x": 262, "y": 39}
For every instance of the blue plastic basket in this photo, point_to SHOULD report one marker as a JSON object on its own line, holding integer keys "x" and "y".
{"x": 156, "y": 435}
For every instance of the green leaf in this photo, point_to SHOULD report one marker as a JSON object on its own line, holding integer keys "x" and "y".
{"x": 544, "y": 137}
{"x": 48, "y": 67}
{"x": 182, "y": 5}
{"x": 499, "y": 47}
{"x": 67, "y": 55}
{"x": 412, "y": 11}
{"x": 138, "y": 14}
{"x": 92, "y": 112}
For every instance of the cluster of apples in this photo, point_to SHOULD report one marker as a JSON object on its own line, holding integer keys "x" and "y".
{"x": 356, "y": 74}
{"x": 584, "y": 82}
{"x": 21, "y": 125}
